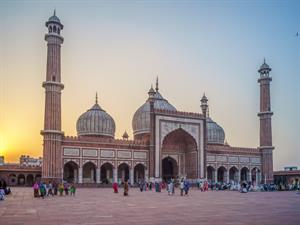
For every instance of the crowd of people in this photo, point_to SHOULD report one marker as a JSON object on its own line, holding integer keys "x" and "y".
{"x": 41, "y": 189}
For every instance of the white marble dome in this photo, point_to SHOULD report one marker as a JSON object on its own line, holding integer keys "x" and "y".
{"x": 96, "y": 122}
{"x": 141, "y": 118}
{"x": 215, "y": 133}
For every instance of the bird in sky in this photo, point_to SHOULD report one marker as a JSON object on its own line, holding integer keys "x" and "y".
{"x": 297, "y": 34}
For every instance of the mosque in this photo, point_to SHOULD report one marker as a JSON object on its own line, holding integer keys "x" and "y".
{"x": 167, "y": 143}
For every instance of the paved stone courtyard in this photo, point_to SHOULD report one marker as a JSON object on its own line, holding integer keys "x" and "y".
{"x": 101, "y": 206}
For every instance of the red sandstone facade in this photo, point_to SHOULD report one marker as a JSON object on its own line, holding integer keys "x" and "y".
{"x": 167, "y": 143}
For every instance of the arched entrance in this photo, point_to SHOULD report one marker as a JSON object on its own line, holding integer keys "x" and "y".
{"x": 139, "y": 172}
{"x": 89, "y": 173}
{"x": 106, "y": 176}
{"x": 180, "y": 145}
{"x": 255, "y": 176}
{"x": 21, "y": 179}
{"x": 12, "y": 180}
{"x": 234, "y": 174}
{"x": 29, "y": 180}
{"x": 221, "y": 174}
{"x": 123, "y": 172}
{"x": 169, "y": 168}
{"x": 244, "y": 174}
{"x": 210, "y": 173}
{"x": 71, "y": 172}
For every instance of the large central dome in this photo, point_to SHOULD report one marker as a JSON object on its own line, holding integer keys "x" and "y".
{"x": 141, "y": 118}
{"x": 96, "y": 122}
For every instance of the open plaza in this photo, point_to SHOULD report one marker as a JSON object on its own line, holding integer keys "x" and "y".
{"x": 93, "y": 206}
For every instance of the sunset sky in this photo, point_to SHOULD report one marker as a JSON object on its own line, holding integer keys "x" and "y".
{"x": 117, "y": 48}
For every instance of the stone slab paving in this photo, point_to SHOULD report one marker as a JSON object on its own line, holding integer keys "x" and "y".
{"x": 93, "y": 206}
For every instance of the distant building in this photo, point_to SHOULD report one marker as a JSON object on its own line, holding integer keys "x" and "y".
{"x": 1, "y": 160}
{"x": 290, "y": 168}
{"x": 29, "y": 161}
{"x": 24, "y": 173}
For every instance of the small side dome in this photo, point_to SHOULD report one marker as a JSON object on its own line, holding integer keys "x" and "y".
{"x": 215, "y": 133}
{"x": 96, "y": 122}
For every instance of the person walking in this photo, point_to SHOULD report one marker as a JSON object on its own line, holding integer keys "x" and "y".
{"x": 186, "y": 187}
{"x": 126, "y": 188}
{"x": 50, "y": 189}
{"x": 115, "y": 187}
{"x": 72, "y": 189}
{"x": 181, "y": 187}
{"x": 36, "y": 190}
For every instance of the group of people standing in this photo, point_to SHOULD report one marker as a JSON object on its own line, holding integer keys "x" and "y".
{"x": 41, "y": 189}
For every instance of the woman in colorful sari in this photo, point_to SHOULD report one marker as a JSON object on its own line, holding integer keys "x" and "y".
{"x": 115, "y": 187}
{"x": 36, "y": 190}
{"x": 126, "y": 188}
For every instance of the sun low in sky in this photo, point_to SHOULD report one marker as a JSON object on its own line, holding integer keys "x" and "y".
{"x": 117, "y": 48}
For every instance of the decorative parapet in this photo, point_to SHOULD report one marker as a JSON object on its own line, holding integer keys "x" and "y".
{"x": 106, "y": 141}
{"x": 223, "y": 149}
{"x": 179, "y": 113}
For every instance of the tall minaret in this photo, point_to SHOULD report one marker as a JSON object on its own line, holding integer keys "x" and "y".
{"x": 204, "y": 107}
{"x": 265, "y": 115}
{"x": 52, "y": 162}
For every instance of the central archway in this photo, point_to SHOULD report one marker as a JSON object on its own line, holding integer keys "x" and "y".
{"x": 169, "y": 168}
{"x": 181, "y": 146}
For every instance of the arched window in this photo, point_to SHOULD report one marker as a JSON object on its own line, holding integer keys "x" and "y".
{"x": 53, "y": 78}
{"x": 50, "y": 29}
{"x": 58, "y": 30}
{"x": 54, "y": 29}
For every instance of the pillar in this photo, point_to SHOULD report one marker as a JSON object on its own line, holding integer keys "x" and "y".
{"x": 115, "y": 171}
{"x": 227, "y": 176}
{"x": 239, "y": 177}
{"x": 147, "y": 175}
{"x": 131, "y": 176}
{"x": 216, "y": 175}
{"x": 80, "y": 175}
{"x": 250, "y": 176}
{"x": 98, "y": 172}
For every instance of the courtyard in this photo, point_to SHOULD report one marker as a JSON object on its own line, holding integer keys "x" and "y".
{"x": 102, "y": 206}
